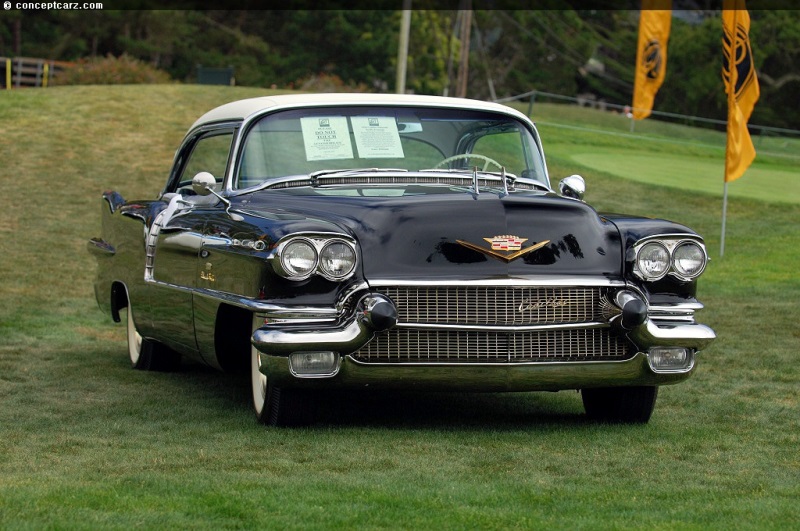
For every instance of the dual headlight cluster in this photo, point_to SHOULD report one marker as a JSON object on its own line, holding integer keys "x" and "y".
{"x": 299, "y": 257}
{"x": 681, "y": 258}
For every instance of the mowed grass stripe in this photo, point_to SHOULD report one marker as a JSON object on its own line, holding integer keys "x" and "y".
{"x": 764, "y": 183}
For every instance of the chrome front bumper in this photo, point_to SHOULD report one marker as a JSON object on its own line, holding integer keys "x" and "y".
{"x": 475, "y": 377}
{"x": 278, "y": 339}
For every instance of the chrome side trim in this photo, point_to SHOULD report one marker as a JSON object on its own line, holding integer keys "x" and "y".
{"x": 311, "y": 313}
{"x": 151, "y": 238}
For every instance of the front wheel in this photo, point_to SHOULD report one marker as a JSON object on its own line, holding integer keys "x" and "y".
{"x": 146, "y": 354}
{"x": 276, "y": 406}
{"x": 632, "y": 405}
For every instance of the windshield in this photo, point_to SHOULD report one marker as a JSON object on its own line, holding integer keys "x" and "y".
{"x": 301, "y": 142}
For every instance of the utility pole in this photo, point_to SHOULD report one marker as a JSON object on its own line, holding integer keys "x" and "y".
{"x": 18, "y": 37}
{"x": 402, "y": 48}
{"x": 463, "y": 68}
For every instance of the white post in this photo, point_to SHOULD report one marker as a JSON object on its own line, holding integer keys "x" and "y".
{"x": 402, "y": 48}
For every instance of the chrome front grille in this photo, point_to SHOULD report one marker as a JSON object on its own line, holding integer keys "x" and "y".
{"x": 408, "y": 345}
{"x": 422, "y": 308}
{"x": 496, "y": 305}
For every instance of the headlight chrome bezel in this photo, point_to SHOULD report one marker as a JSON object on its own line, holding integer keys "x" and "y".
{"x": 703, "y": 258}
{"x": 324, "y": 270}
{"x": 671, "y": 244}
{"x": 667, "y": 262}
{"x": 295, "y": 272}
{"x": 319, "y": 242}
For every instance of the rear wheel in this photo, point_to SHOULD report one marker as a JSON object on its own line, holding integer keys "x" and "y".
{"x": 146, "y": 354}
{"x": 633, "y": 405}
{"x": 276, "y": 406}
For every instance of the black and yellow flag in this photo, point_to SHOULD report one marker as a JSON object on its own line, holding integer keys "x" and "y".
{"x": 741, "y": 85}
{"x": 651, "y": 54}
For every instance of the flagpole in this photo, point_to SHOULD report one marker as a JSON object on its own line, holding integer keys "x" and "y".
{"x": 731, "y": 101}
{"x": 724, "y": 216}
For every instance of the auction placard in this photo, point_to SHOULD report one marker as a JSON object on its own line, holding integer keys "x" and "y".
{"x": 326, "y": 138}
{"x": 377, "y": 137}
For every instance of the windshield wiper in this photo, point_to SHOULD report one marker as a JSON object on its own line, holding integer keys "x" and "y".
{"x": 502, "y": 177}
{"x": 469, "y": 171}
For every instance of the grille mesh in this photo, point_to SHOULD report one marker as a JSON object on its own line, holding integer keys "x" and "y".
{"x": 494, "y": 306}
{"x": 401, "y": 345}
{"x": 497, "y": 306}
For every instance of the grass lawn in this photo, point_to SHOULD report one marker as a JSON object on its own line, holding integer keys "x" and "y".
{"x": 86, "y": 442}
{"x": 696, "y": 173}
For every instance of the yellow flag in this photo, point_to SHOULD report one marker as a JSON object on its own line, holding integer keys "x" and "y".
{"x": 741, "y": 85}
{"x": 651, "y": 54}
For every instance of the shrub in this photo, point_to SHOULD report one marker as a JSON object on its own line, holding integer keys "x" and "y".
{"x": 111, "y": 70}
{"x": 328, "y": 83}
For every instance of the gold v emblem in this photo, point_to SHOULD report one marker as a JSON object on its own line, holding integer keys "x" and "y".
{"x": 494, "y": 253}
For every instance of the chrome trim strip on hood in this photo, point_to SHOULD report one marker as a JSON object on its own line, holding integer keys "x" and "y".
{"x": 504, "y": 328}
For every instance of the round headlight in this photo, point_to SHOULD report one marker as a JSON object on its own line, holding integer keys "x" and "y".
{"x": 688, "y": 259}
{"x": 337, "y": 259}
{"x": 299, "y": 258}
{"x": 653, "y": 261}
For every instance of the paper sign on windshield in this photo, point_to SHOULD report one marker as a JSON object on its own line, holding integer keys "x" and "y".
{"x": 377, "y": 137}
{"x": 326, "y": 138}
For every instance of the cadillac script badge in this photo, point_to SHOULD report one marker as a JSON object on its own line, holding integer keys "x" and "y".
{"x": 505, "y": 248}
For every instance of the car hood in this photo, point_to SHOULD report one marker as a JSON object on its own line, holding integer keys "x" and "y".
{"x": 449, "y": 235}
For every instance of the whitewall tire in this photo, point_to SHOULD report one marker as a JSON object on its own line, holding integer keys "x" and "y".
{"x": 146, "y": 354}
{"x": 275, "y": 406}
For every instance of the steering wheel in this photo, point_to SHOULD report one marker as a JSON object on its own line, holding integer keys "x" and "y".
{"x": 486, "y": 160}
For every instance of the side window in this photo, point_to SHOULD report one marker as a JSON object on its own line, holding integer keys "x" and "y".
{"x": 210, "y": 153}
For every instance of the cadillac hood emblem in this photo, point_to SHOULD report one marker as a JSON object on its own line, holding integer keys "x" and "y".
{"x": 505, "y": 248}
{"x": 506, "y": 243}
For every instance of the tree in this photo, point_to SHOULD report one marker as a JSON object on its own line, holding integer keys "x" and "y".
{"x": 519, "y": 50}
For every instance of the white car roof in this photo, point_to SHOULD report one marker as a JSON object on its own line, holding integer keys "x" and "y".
{"x": 239, "y": 110}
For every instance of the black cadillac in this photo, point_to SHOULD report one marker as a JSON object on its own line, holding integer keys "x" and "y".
{"x": 395, "y": 242}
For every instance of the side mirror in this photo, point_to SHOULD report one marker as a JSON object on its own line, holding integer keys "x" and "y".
{"x": 203, "y": 183}
{"x": 573, "y": 186}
